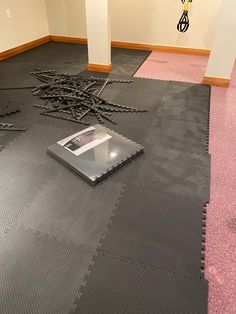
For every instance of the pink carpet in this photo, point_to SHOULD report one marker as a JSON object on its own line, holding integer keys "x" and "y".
{"x": 169, "y": 66}
{"x": 221, "y": 214}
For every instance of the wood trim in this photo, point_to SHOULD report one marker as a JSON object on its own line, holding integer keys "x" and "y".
{"x": 22, "y": 48}
{"x": 116, "y": 44}
{"x": 216, "y": 81}
{"x": 136, "y": 46}
{"x": 168, "y": 49}
{"x": 99, "y": 68}
{"x": 65, "y": 39}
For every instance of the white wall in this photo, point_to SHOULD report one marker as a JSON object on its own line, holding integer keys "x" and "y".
{"x": 98, "y": 31}
{"x": 141, "y": 21}
{"x": 154, "y": 22}
{"x": 66, "y": 17}
{"x": 28, "y": 22}
{"x": 223, "y": 53}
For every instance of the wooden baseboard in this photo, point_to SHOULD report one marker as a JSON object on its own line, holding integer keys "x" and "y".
{"x": 99, "y": 68}
{"x": 116, "y": 44}
{"x": 169, "y": 49}
{"x": 136, "y": 46}
{"x": 65, "y": 39}
{"x": 216, "y": 81}
{"x": 22, "y": 48}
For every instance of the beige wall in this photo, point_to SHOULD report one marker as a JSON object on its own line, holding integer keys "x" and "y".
{"x": 141, "y": 21}
{"x": 223, "y": 52}
{"x": 98, "y": 31}
{"x": 28, "y": 22}
{"x": 154, "y": 22}
{"x": 66, "y": 17}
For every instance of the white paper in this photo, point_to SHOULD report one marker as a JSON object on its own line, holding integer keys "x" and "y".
{"x": 84, "y": 140}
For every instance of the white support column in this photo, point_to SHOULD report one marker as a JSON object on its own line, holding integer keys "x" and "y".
{"x": 99, "y": 35}
{"x": 223, "y": 52}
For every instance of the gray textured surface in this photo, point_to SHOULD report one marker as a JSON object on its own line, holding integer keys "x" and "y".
{"x": 32, "y": 145}
{"x": 69, "y": 208}
{"x": 63, "y": 57}
{"x": 41, "y": 270}
{"x": 19, "y": 184}
{"x": 158, "y": 229}
{"x": 118, "y": 285}
{"x": 39, "y": 274}
{"x": 176, "y": 172}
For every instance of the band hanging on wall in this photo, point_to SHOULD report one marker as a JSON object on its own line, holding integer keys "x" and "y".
{"x": 183, "y": 24}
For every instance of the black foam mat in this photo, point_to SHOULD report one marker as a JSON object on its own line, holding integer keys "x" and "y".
{"x": 32, "y": 144}
{"x": 186, "y": 101}
{"x": 19, "y": 184}
{"x": 158, "y": 229}
{"x": 6, "y": 137}
{"x": 40, "y": 274}
{"x": 57, "y": 222}
{"x": 160, "y": 218}
{"x": 176, "y": 172}
{"x": 63, "y": 57}
{"x": 119, "y": 285}
{"x": 68, "y": 208}
{"x": 181, "y": 135}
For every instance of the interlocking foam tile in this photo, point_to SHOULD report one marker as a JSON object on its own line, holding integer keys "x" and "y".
{"x": 126, "y": 61}
{"x": 178, "y": 114}
{"x": 159, "y": 229}
{"x": 178, "y": 134}
{"x": 69, "y": 208}
{"x": 169, "y": 166}
{"x": 176, "y": 172}
{"x": 185, "y": 101}
{"x": 32, "y": 145}
{"x": 118, "y": 285}
{"x": 140, "y": 94}
{"x": 31, "y": 114}
{"x": 7, "y": 137}
{"x": 40, "y": 274}
{"x": 20, "y": 182}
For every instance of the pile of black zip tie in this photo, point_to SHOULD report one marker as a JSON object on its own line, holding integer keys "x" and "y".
{"x": 72, "y": 97}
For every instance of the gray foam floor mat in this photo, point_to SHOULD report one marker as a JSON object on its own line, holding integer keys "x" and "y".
{"x": 119, "y": 285}
{"x": 57, "y": 222}
{"x": 68, "y": 208}
{"x": 175, "y": 172}
{"x": 6, "y": 137}
{"x": 40, "y": 274}
{"x": 158, "y": 229}
{"x": 19, "y": 184}
{"x": 63, "y": 57}
{"x": 179, "y": 134}
{"x": 185, "y": 101}
{"x": 32, "y": 144}
{"x": 160, "y": 218}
